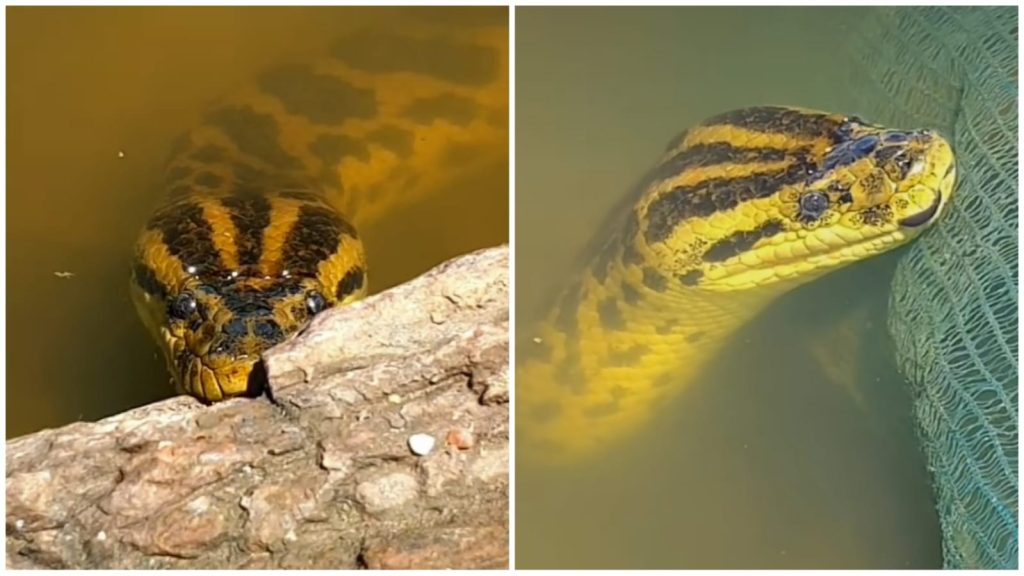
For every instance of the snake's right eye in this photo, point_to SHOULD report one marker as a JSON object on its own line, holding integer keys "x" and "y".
{"x": 182, "y": 306}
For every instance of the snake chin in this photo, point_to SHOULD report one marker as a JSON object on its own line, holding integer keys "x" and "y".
{"x": 217, "y": 378}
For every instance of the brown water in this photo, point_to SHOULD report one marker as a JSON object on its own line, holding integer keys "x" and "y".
{"x": 95, "y": 97}
{"x": 801, "y": 455}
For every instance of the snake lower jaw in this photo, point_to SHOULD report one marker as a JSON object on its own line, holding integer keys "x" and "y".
{"x": 215, "y": 379}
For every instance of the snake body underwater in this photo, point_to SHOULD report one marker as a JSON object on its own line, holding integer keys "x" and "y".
{"x": 741, "y": 208}
{"x": 267, "y": 194}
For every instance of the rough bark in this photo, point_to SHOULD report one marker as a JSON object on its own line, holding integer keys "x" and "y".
{"x": 318, "y": 473}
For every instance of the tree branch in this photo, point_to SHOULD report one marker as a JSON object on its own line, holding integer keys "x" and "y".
{"x": 318, "y": 473}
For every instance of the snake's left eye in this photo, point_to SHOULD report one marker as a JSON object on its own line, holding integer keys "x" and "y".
{"x": 813, "y": 205}
{"x": 182, "y": 306}
{"x": 315, "y": 302}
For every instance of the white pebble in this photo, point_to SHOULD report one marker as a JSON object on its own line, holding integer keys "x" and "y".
{"x": 421, "y": 444}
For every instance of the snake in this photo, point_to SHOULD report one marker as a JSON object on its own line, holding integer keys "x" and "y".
{"x": 266, "y": 195}
{"x": 740, "y": 209}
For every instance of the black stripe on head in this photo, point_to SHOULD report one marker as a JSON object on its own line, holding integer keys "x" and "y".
{"x": 315, "y": 235}
{"x": 189, "y": 237}
{"x": 713, "y": 154}
{"x": 780, "y": 120}
{"x": 321, "y": 98}
{"x": 250, "y": 213}
{"x": 383, "y": 52}
{"x": 351, "y": 283}
{"x": 740, "y": 242}
{"x": 254, "y": 134}
{"x": 455, "y": 109}
{"x": 706, "y": 198}
{"x": 146, "y": 279}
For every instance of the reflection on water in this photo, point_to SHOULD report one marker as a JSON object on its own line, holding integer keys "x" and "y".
{"x": 95, "y": 98}
{"x": 796, "y": 448}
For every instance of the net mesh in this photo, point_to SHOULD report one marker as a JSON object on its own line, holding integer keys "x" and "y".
{"x": 953, "y": 312}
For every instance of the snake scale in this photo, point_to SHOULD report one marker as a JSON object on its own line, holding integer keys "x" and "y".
{"x": 742, "y": 208}
{"x": 266, "y": 194}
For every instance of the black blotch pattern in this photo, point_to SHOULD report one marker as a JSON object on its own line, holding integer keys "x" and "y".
{"x": 877, "y": 215}
{"x": 146, "y": 279}
{"x": 654, "y": 280}
{"x": 351, "y": 282}
{"x": 455, "y": 109}
{"x": 250, "y": 213}
{"x": 611, "y": 317}
{"x": 629, "y": 356}
{"x": 691, "y": 278}
{"x": 321, "y": 98}
{"x": 208, "y": 180}
{"x": 716, "y": 195}
{"x": 188, "y": 237}
{"x": 254, "y": 134}
{"x": 331, "y": 149}
{"x": 741, "y": 241}
{"x": 383, "y": 52}
{"x": 630, "y": 294}
{"x": 392, "y": 138}
{"x": 268, "y": 330}
{"x": 315, "y": 236}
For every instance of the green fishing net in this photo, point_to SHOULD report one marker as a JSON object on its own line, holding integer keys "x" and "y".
{"x": 953, "y": 312}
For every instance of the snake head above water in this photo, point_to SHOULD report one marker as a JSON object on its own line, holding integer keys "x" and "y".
{"x": 777, "y": 195}
{"x": 221, "y": 279}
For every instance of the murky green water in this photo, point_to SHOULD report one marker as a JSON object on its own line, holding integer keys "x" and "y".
{"x": 87, "y": 84}
{"x": 796, "y": 449}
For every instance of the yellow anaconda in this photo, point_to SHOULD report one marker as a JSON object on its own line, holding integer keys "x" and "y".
{"x": 742, "y": 208}
{"x": 259, "y": 232}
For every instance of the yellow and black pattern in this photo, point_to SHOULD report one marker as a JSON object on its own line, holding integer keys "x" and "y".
{"x": 265, "y": 195}
{"x": 743, "y": 207}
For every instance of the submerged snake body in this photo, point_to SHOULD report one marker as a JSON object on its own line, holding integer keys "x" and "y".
{"x": 741, "y": 209}
{"x": 259, "y": 232}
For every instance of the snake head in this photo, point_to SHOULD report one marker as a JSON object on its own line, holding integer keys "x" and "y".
{"x": 219, "y": 280}
{"x": 814, "y": 192}
{"x": 216, "y": 333}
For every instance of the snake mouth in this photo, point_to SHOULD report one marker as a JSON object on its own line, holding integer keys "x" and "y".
{"x": 925, "y": 216}
{"x": 216, "y": 378}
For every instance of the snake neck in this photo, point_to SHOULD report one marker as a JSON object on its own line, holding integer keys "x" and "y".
{"x": 617, "y": 347}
